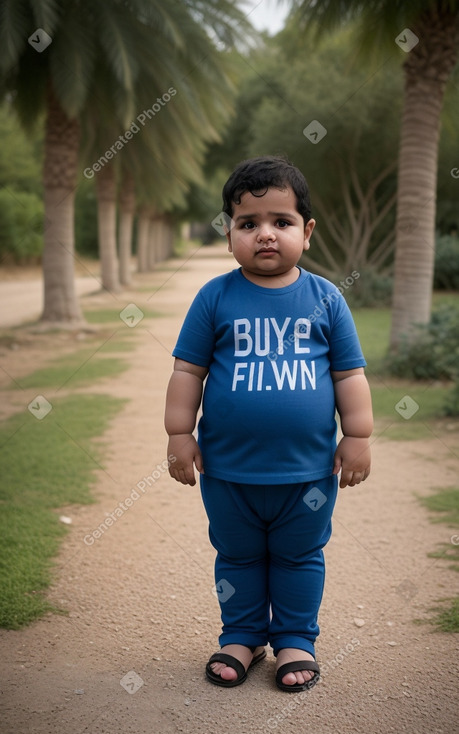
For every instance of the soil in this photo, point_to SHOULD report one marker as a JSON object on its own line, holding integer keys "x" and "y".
{"x": 141, "y": 618}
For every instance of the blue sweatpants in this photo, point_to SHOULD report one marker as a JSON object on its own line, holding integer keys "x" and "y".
{"x": 269, "y": 570}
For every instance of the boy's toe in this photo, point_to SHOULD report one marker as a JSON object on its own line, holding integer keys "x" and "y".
{"x": 300, "y": 677}
{"x": 224, "y": 671}
{"x": 290, "y": 679}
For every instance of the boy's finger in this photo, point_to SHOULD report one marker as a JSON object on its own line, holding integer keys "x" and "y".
{"x": 198, "y": 462}
{"x": 346, "y": 477}
{"x": 337, "y": 465}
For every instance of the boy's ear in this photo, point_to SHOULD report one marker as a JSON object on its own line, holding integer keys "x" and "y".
{"x": 228, "y": 239}
{"x": 308, "y": 228}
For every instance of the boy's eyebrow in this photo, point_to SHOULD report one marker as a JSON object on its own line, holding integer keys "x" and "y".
{"x": 285, "y": 215}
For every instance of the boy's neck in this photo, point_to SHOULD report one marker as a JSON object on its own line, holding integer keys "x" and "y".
{"x": 280, "y": 280}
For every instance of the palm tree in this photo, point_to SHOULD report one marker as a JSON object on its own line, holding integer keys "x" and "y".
{"x": 427, "y": 31}
{"x": 127, "y": 210}
{"x": 97, "y": 54}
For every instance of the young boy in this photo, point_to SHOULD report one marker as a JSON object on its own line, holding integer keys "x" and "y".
{"x": 280, "y": 352}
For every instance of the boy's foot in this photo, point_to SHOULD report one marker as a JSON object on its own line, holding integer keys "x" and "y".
{"x": 240, "y": 652}
{"x": 290, "y": 655}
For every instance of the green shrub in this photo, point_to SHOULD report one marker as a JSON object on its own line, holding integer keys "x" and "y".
{"x": 370, "y": 290}
{"x": 21, "y": 225}
{"x": 446, "y": 275}
{"x": 433, "y": 354}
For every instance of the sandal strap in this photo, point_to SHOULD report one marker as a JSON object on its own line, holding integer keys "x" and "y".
{"x": 296, "y": 666}
{"x": 222, "y": 657}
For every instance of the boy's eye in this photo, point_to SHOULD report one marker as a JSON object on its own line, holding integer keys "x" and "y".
{"x": 248, "y": 225}
{"x": 282, "y": 223}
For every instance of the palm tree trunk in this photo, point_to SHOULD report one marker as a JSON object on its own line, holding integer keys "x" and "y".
{"x": 427, "y": 69}
{"x": 168, "y": 238}
{"x": 59, "y": 180}
{"x": 106, "y": 217}
{"x": 142, "y": 241}
{"x": 153, "y": 253}
{"x": 127, "y": 207}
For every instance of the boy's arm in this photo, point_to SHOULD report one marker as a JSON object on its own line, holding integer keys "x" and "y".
{"x": 182, "y": 403}
{"x": 353, "y": 401}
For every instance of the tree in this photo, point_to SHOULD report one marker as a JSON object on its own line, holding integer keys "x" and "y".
{"x": 351, "y": 171}
{"x": 427, "y": 31}
{"x": 78, "y": 43}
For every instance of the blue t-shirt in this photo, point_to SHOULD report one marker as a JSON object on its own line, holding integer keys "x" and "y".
{"x": 268, "y": 413}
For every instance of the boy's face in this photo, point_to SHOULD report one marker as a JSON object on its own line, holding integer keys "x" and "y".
{"x": 269, "y": 235}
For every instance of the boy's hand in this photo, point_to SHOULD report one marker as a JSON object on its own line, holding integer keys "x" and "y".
{"x": 187, "y": 454}
{"x": 352, "y": 456}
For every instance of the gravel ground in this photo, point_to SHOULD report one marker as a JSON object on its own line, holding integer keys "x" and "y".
{"x": 142, "y": 620}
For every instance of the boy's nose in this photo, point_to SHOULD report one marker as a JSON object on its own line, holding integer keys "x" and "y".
{"x": 266, "y": 233}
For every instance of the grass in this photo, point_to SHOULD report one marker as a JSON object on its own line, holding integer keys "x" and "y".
{"x": 112, "y": 315}
{"x": 444, "y": 508}
{"x": 46, "y": 464}
{"x": 447, "y": 620}
{"x": 373, "y": 326}
{"x": 80, "y": 368}
{"x": 49, "y": 464}
{"x": 445, "y": 502}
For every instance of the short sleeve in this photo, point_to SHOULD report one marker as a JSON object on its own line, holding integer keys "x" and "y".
{"x": 196, "y": 341}
{"x": 345, "y": 350}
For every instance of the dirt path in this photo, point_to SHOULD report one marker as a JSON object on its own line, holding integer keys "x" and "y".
{"x": 22, "y": 301}
{"x": 141, "y": 608}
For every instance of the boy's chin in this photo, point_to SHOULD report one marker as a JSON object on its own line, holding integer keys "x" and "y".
{"x": 265, "y": 273}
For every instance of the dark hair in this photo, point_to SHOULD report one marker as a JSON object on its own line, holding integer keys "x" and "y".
{"x": 260, "y": 174}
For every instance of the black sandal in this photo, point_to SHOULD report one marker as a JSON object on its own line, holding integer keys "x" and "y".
{"x": 294, "y": 668}
{"x": 232, "y": 662}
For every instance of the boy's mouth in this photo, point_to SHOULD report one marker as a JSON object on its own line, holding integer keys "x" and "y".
{"x": 267, "y": 251}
